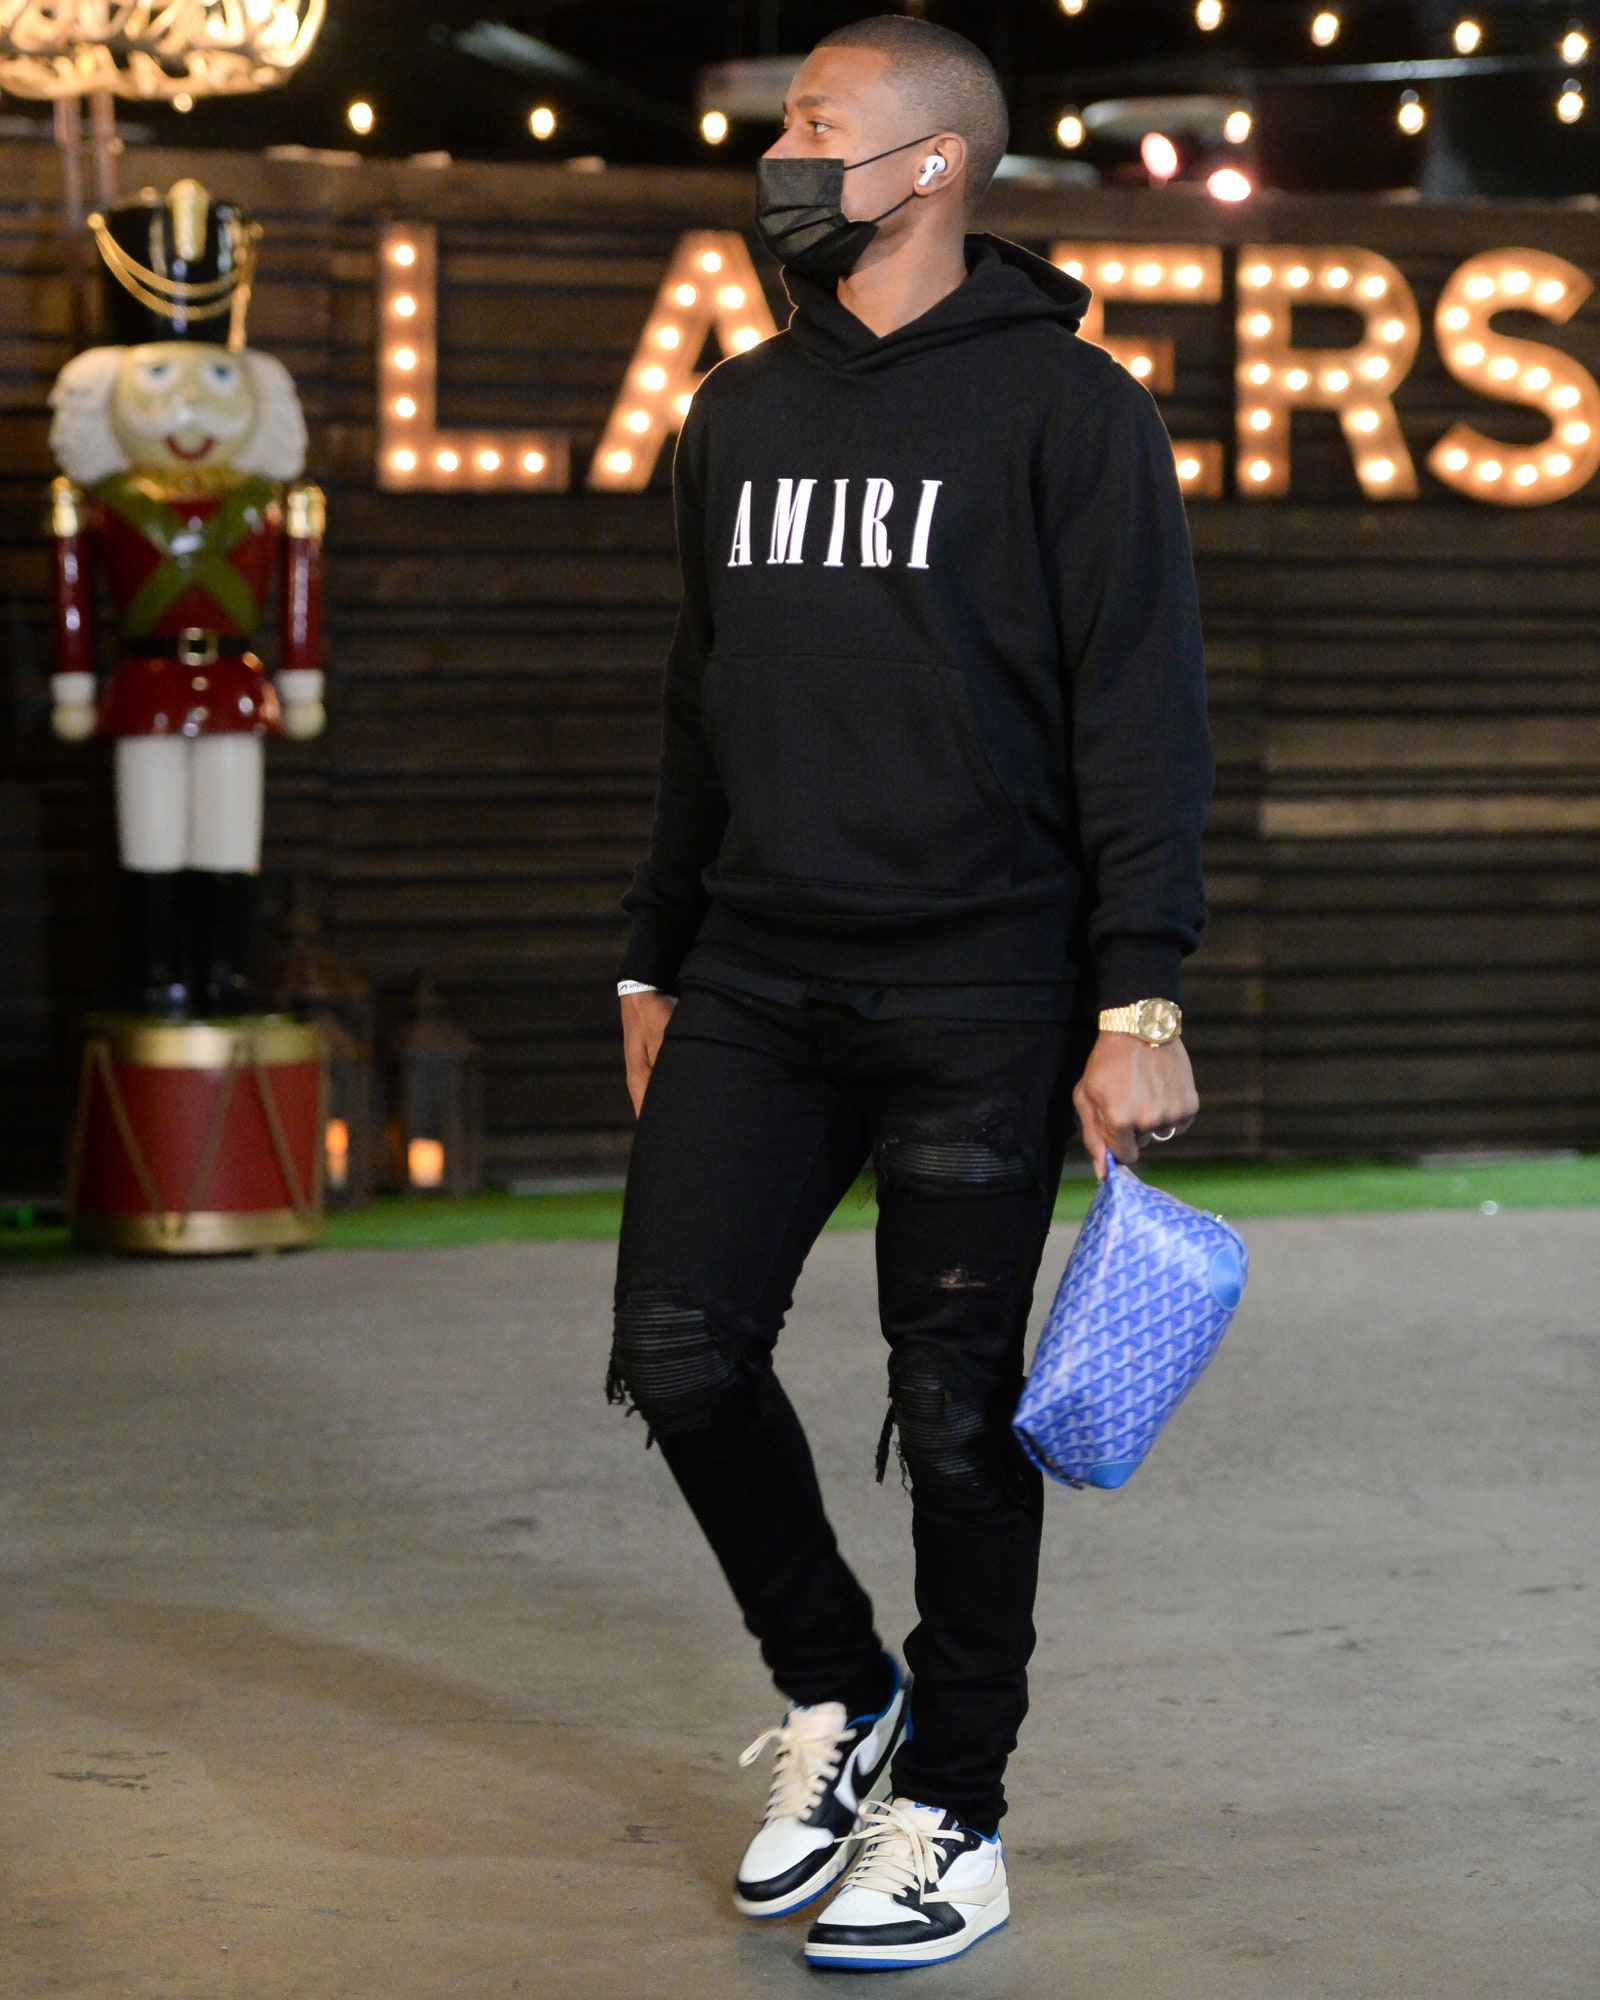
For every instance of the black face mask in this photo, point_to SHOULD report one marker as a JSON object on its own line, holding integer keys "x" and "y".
{"x": 800, "y": 217}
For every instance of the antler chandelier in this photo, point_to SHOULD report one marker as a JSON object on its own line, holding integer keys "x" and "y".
{"x": 152, "y": 48}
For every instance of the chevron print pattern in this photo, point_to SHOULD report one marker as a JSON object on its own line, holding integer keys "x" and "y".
{"x": 1148, "y": 1293}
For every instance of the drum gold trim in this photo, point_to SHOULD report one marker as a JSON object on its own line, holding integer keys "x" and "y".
{"x": 253, "y": 1038}
{"x": 204, "y": 1233}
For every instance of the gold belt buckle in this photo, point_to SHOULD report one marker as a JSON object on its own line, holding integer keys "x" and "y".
{"x": 195, "y": 647}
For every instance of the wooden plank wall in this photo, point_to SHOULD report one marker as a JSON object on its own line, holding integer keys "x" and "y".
{"x": 1405, "y": 951}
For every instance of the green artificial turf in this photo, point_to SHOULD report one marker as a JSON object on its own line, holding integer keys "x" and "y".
{"x": 1236, "y": 1190}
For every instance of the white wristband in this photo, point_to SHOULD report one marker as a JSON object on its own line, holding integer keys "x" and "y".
{"x": 626, "y": 986}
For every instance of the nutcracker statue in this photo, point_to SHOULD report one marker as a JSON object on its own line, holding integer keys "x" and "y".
{"x": 182, "y": 451}
{"x": 200, "y": 1119}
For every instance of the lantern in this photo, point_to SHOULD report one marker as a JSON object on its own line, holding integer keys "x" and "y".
{"x": 350, "y": 1130}
{"x": 315, "y": 984}
{"x": 435, "y": 1102}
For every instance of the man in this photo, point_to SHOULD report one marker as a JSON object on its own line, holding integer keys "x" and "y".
{"x": 933, "y": 774}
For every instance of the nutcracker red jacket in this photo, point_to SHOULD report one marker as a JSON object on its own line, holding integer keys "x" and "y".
{"x": 935, "y": 708}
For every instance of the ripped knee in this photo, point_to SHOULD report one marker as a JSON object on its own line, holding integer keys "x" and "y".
{"x": 670, "y": 1363}
{"x": 949, "y": 1163}
{"x": 942, "y": 1436}
{"x": 953, "y": 1452}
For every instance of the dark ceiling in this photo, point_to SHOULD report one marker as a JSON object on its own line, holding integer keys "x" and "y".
{"x": 630, "y": 94}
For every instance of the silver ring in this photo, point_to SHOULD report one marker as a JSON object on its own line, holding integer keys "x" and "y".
{"x": 1161, "y": 1138}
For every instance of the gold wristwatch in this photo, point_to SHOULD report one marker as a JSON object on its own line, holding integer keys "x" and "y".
{"x": 1154, "y": 1021}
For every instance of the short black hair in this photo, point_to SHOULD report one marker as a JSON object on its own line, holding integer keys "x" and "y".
{"x": 949, "y": 80}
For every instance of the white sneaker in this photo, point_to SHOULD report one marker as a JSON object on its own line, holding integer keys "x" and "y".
{"x": 924, "y": 1888}
{"x": 826, "y": 1767}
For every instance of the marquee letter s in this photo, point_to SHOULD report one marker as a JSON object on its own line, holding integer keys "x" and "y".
{"x": 1516, "y": 371}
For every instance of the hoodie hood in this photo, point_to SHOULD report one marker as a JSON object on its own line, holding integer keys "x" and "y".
{"x": 1006, "y": 286}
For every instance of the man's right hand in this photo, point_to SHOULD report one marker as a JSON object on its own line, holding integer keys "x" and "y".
{"x": 644, "y": 1022}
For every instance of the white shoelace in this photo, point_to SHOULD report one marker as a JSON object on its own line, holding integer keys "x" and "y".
{"x": 898, "y": 1850}
{"x": 805, "y": 1762}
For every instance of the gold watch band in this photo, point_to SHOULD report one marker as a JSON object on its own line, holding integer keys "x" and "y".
{"x": 1154, "y": 1021}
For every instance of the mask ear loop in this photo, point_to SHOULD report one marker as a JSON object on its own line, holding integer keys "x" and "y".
{"x": 888, "y": 153}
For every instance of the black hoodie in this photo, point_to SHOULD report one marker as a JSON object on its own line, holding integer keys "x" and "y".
{"x": 935, "y": 709}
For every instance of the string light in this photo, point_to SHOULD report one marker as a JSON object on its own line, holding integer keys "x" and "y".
{"x": 1228, "y": 184}
{"x": 660, "y": 381}
{"x": 1236, "y": 127}
{"x": 1069, "y": 130}
{"x": 1164, "y": 273}
{"x": 542, "y": 122}
{"x": 414, "y": 455}
{"x": 1198, "y": 463}
{"x": 1208, "y": 15}
{"x": 714, "y": 127}
{"x": 1357, "y": 382}
{"x": 1160, "y": 157}
{"x": 1467, "y": 35}
{"x": 1072, "y": 6}
{"x": 1517, "y": 371}
{"x": 1569, "y": 105}
{"x": 1574, "y": 46}
{"x": 1325, "y": 28}
{"x": 360, "y": 117}
{"x": 1411, "y": 117}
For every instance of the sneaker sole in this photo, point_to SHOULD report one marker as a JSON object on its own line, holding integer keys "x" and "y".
{"x": 843, "y": 1854}
{"x": 897, "y": 1958}
{"x": 808, "y": 1892}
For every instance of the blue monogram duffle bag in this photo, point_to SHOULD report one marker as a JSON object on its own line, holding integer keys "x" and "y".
{"x": 1148, "y": 1293}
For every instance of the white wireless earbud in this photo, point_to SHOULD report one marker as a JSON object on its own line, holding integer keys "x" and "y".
{"x": 934, "y": 164}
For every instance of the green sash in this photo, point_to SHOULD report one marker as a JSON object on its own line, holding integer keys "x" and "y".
{"x": 127, "y": 495}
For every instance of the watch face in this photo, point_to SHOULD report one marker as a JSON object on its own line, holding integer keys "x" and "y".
{"x": 1158, "y": 1020}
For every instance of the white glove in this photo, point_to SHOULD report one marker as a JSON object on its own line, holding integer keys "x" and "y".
{"x": 72, "y": 716}
{"x": 300, "y": 690}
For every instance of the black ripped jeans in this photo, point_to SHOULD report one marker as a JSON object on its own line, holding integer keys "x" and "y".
{"x": 758, "y": 1118}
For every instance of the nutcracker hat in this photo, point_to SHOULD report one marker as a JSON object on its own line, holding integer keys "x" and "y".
{"x": 178, "y": 266}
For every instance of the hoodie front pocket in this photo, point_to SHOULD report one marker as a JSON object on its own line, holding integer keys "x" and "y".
{"x": 866, "y": 774}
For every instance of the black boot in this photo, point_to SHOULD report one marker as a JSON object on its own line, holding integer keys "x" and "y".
{"x": 154, "y": 979}
{"x": 225, "y": 938}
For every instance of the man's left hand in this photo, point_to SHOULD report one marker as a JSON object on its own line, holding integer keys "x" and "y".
{"x": 1128, "y": 1092}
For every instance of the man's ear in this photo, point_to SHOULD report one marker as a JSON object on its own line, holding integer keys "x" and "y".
{"x": 949, "y": 147}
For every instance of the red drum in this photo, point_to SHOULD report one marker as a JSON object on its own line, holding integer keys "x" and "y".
{"x": 200, "y": 1136}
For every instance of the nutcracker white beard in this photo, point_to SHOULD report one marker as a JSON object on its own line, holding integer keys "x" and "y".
{"x": 189, "y": 802}
{"x": 98, "y": 401}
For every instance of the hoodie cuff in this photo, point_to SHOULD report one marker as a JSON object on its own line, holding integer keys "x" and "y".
{"x": 654, "y": 954}
{"x": 1131, "y": 969}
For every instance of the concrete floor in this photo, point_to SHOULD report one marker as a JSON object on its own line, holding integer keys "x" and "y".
{"x": 350, "y": 1646}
